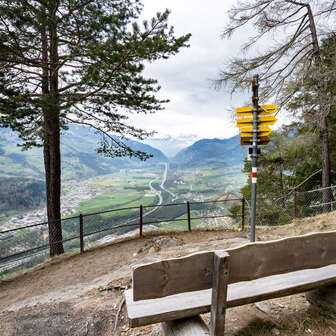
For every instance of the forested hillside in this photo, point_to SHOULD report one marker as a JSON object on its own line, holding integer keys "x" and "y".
{"x": 20, "y": 193}
{"x": 219, "y": 152}
{"x": 22, "y": 172}
{"x": 80, "y": 159}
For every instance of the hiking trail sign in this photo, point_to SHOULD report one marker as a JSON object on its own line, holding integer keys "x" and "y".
{"x": 253, "y": 122}
{"x": 264, "y": 118}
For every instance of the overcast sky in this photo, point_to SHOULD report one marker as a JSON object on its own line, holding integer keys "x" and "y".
{"x": 186, "y": 79}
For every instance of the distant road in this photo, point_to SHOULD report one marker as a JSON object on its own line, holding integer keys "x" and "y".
{"x": 164, "y": 181}
{"x": 153, "y": 189}
{"x": 158, "y": 193}
{"x": 8, "y": 265}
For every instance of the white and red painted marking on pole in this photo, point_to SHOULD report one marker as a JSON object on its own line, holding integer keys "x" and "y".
{"x": 254, "y": 175}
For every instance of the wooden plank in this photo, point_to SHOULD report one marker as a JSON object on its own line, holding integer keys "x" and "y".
{"x": 192, "y": 326}
{"x": 248, "y": 262}
{"x": 194, "y": 303}
{"x": 219, "y": 291}
{"x": 261, "y": 259}
{"x": 173, "y": 276}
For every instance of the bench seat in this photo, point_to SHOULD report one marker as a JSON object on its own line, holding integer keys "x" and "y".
{"x": 188, "y": 304}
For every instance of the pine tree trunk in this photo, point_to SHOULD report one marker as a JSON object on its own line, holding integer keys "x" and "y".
{"x": 283, "y": 203}
{"x": 52, "y": 164}
{"x": 327, "y": 197}
{"x": 325, "y": 153}
{"x": 51, "y": 146}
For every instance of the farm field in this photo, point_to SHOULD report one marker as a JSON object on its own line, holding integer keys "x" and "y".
{"x": 206, "y": 182}
{"x": 124, "y": 189}
{"x": 150, "y": 187}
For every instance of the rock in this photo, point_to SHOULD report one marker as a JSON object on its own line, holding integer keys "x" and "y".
{"x": 264, "y": 307}
{"x": 151, "y": 250}
{"x": 160, "y": 243}
{"x": 275, "y": 331}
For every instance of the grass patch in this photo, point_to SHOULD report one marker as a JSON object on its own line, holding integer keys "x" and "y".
{"x": 136, "y": 203}
{"x": 108, "y": 200}
{"x": 183, "y": 224}
{"x": 311, "y": 321}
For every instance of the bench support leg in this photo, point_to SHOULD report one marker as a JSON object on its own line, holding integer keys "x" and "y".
{"x": 219, "y": 293}
{"x": 323, "y": 297}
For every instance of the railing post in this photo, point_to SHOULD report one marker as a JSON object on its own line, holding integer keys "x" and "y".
{"x": 189, "y": 219}
{"x": 81, "y": 233}
{"x": 243, "y": 214}
{"x": 140, "y": 221}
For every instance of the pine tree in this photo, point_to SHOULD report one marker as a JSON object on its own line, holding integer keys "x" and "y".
{"x": 78, "y": 62}
{"x": 297, "y": 46}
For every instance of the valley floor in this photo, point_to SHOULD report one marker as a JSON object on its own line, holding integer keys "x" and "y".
{"x": 82, "y": 294}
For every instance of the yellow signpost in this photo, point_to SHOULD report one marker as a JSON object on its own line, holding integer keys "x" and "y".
{"x": 261, "y": 131}
{"x": 248, "y": 140}
{"x": 263, "y": 110}
{"x": 253, "y": 122}
{"x": 264, "y": 121}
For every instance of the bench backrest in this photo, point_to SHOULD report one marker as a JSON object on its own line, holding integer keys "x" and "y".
{"x": 248, "y": 262}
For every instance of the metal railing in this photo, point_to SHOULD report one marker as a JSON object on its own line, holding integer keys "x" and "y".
{"x": 85, "y": 230}
{"x": 296, "y": 204}
{"x": 29, "y": 245}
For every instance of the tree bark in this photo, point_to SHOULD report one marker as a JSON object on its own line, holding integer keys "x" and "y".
{"x": 327, "y": 197}
{"x": 283, "y": 203}
{"x": 51, "y": 146}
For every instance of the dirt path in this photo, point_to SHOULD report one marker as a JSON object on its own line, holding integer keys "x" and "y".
{"x": 69, "y": 276}
{"x": 81, "y": 295}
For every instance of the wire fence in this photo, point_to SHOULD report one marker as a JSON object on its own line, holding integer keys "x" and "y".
{"x": 23, "y": 247}
{"x": 29, "y": 245}
{"x": 297, "y": 204}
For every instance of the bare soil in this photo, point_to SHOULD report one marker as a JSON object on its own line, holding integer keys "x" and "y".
{"x": 82, "y": 294}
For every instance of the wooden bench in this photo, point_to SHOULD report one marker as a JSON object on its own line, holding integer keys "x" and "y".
{"x": 176, "y": 291}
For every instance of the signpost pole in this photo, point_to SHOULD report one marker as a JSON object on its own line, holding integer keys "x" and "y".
{"x": 253, "y": 122}
{"x": 254, "y": 156}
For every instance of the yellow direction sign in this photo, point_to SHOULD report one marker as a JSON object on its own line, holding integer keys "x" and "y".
{"x": 247, "y": 141}
{"x": 264, "y": 110}
{"x": 268, "y": 109}
{"x": 247, "y": 134}
{"x": 249, "y": 129}
{"x": 265, "y": 121}
{"x": 243, "y": 110}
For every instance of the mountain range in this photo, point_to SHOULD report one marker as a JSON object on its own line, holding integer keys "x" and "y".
{"x": 170, "y": 145}
{"x": 217, "y": 152}
{"x": 80, "y": 159}
{"x": 22, "y": 172}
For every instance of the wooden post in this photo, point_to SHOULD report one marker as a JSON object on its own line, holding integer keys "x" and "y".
{"x": 141, "y": 220}
{"x": 220, "y": 279}
{"x": 189, "y": 219}
{"x": 243, "y": 214}
{"x": 81, "y": 233}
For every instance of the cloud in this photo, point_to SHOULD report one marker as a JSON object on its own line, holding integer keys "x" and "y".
{"x": 187, "y": 78}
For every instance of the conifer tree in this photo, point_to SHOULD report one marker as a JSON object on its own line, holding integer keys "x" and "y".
{"x": 78, "y": 62}
{"x": 291, "y": 25}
